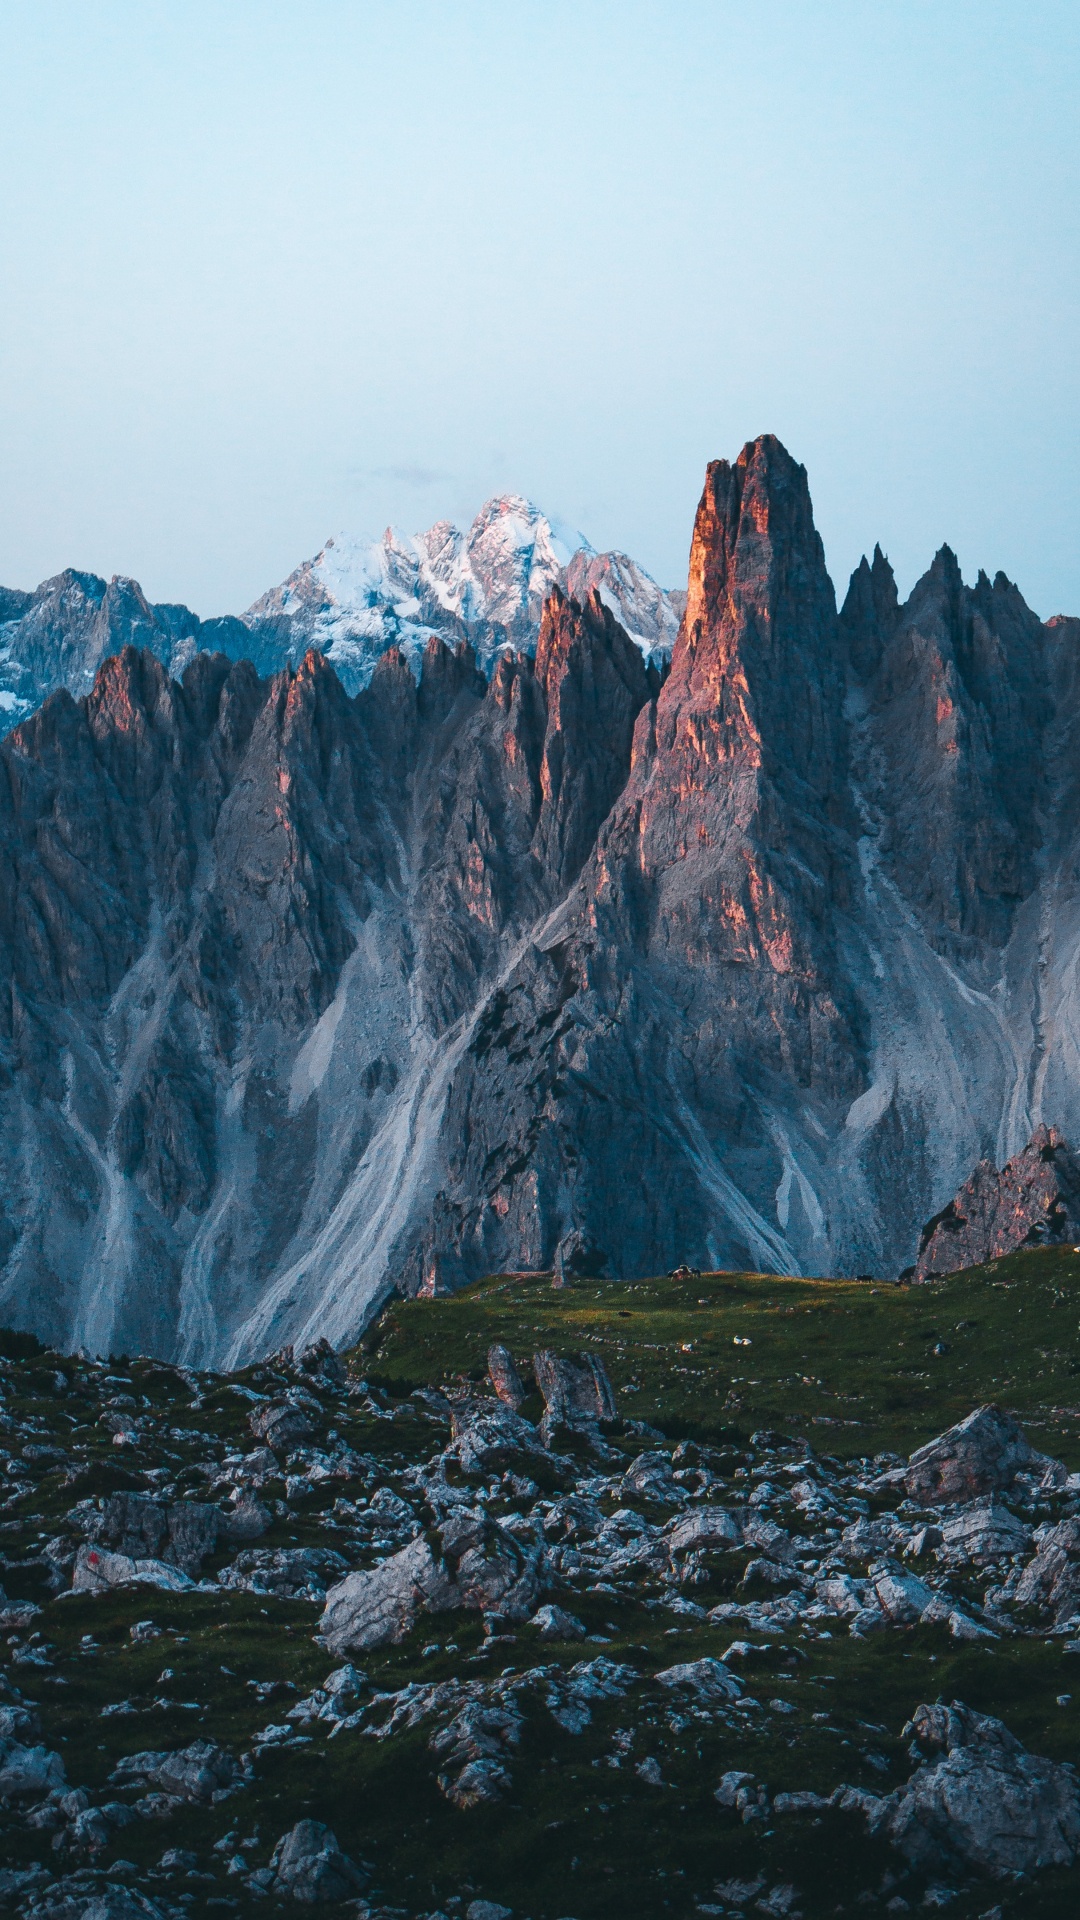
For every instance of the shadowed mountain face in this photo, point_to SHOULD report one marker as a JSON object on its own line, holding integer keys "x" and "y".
{"x": 306, "y": 995}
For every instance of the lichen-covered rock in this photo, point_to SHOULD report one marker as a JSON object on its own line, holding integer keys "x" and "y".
{"x": 982, "y": 1454}
{"x": 982, "y": 1801}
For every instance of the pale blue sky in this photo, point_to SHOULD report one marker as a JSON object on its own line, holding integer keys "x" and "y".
{"x": 271, "y": 269}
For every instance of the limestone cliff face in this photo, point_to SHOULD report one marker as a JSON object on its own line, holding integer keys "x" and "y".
{"x": 305, "y": 995}
{"x": 1034, "y": 1200}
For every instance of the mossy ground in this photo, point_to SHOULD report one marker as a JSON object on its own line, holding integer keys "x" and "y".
{"x": 851, "y": 1365}
{"x": 578, "y": 1836}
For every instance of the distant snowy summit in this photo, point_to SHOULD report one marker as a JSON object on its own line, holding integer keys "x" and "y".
{"x": 486, "y": 584}
{"x": 353, "y": 600}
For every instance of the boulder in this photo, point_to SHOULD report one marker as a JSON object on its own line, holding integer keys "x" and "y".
{"x": 981, "y": 1801}
{"x": 133, "y": 1524}
{"x": 473, "y": 1747}
{"x": 475, "y": 1564}
{"x": 369, "y": 1609}
{"x": 649, "y": 1476}
{"x": 202, "y": 1772}
{"x": 193, "y": 1532}
{"x": 577, "y": 1392}
{"x": 983, "y": 1454}
{"x": 554, "y": 1623}
{"x": 706, "y": 1528}
{"x": 504, "y": 1376}
{"x": 489, "y": 1437}
{"x": 245, "y": 1519}
{"x": 28, "y": 1769}
{"x": 280, "y": 1423}
{"x": 902, "y": 1598}
{"x": 120, "y": 1903}
{"x": 309, "y": 1866}
{"x": 709, "y": 1679}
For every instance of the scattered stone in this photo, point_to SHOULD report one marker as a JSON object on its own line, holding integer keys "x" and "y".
{"x": 1051, "y": 1580}
{"x": 649, "y": 1477}
{"x": 280, "y": 1423}
{"x": 983, "y": 1530}
{"x": 287, "y": 1573}
{"x": 489, "y": 1437}
{"x": 708, "y": 1527}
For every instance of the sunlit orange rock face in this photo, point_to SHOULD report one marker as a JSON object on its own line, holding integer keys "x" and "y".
{"x": 745, "y": 960}
{"x": 739, "y": 808}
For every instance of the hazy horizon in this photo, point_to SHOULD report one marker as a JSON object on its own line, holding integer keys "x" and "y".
{"x": 271, "y": 274}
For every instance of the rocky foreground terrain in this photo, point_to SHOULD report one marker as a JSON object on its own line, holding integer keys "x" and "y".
{"x": 720, "y": 1594}
{"x": 588, "y": 963}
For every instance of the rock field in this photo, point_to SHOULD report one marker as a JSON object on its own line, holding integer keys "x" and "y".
{"x": 485, "y": 1644}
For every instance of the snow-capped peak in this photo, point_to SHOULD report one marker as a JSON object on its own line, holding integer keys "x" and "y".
{"x": 359, "y": 596}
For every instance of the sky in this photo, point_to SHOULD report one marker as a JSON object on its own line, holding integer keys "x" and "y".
{"x": 271, "y": 270}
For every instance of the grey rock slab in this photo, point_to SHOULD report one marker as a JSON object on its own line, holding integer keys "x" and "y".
{"x": 479, "y": 1566}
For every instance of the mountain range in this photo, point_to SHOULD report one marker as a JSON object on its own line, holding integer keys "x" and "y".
{"x": 356, "y": 598}
{"x": 550, "y": 950}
